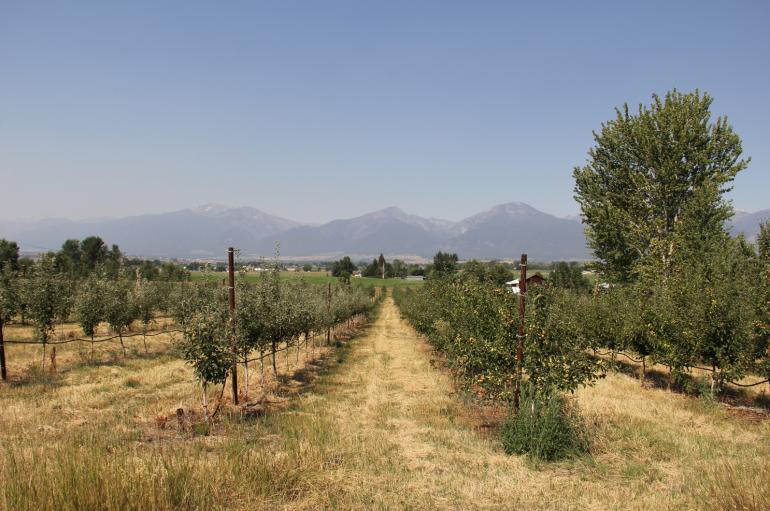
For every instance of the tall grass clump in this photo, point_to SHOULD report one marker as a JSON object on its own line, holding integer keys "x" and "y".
{"x": 547, "y": 428}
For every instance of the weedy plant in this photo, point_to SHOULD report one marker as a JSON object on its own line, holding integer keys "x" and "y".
{"x": 548, "y": 427}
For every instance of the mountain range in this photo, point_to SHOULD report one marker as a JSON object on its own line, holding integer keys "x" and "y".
{"x": 748, "y": 222}
{"x": 502, "y": 232}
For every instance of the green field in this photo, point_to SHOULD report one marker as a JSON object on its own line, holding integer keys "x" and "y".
{"x": 312, "y": 277}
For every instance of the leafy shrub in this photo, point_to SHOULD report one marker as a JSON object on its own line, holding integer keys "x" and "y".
{"x": 547, "y": 428}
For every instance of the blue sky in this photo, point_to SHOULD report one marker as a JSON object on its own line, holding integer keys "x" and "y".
{"x": 315, "y": 110}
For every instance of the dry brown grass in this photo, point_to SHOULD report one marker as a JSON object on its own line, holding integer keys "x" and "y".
{"x": 24, "y": 359}
{"x": 381, "y": 429}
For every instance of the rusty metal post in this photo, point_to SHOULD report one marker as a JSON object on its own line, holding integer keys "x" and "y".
{"x": 231, "y": 296}
{"x": 3, "y": 371}
{"x": 520, "y": 334}
{"x": 329, "y": 313}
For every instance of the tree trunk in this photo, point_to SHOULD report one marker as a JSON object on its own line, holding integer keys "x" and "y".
{"x": 644, "y": 369}
{"x": 275, "y": 369}
{"x": 288, "y": 344}
{"x": 246, "y": 376}
{"x": 42, "y": 365}
{"x": 205, "y": 404}
{"x": 120, "y": 336}
{"x": 144, "y": 339}
{"x": 92, "y": 348}
{"x": 261, "y": 368}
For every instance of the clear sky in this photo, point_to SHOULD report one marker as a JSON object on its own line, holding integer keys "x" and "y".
{"x": 321, "y": 109}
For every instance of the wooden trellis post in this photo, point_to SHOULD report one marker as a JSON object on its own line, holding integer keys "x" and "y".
{"x": 521, "y": 332}
{"x": 231, "y": 296}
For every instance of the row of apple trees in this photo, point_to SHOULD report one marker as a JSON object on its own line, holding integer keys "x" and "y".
{"x": 271, "y": 315}
{"x": 44, "y": 297}
{"x": 473, "y": 323}
{"x": 714, "y": 315}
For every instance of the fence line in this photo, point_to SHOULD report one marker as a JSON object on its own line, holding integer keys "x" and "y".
{"x": 150, "y": 333}
{"x": 89, "y": 340}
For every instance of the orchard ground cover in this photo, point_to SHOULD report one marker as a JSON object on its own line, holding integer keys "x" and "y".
{"x": 381, "y": 426}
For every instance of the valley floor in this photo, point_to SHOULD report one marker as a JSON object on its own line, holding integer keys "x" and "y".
{"x": 381, "y": 428}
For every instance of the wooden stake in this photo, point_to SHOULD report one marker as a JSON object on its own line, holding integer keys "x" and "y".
{"x": 328, "y": 313}
{"x": 3, "y": 370}
{"x": 231, "y": 296}
{"x": 520, "y": 334}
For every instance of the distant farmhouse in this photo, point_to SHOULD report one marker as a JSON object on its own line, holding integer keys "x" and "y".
{"x": 534, "y": 280}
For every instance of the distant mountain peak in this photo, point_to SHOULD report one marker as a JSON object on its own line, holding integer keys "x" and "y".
{"x": 390, "y": 211}
{"x": 515, "y": 208}
{"x": 211, "y": 207}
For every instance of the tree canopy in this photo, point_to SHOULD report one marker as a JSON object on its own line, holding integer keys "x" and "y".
{"x": 444, "y": 263}
{"x": 568, "y": 276}
{"x": 344, "y": 265}
{"x": 653, "y": 187}
{"x": 9, "y": 254}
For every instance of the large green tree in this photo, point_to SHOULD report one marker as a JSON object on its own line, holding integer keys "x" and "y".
{"x": 9, "y": 254}
{"x": 568, "y": 276}
{"x": 444, "y": 263}
{"x": 653, "y": 187}
{"x": 93, "y": 252}
{"x": 68, "y": 259}
{"x": 344, "y": 265}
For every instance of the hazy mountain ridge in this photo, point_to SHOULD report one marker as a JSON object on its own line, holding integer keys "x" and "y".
{"x": 503, "y": 231}
{"x": 748, "y": 222}
{"x": 195, "y": 232}
{"x": 514, "y": 228}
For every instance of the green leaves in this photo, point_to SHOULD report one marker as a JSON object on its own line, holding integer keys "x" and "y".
{"x": 556, "y": 348}
{"x": 89, "y": 307}
{"x": 45, "y": 296}
{"x": 120, "y": 307}
{"x": 9, "y": 293}
{"x": 205, "y": 344}
{"x": 474, "y": 324}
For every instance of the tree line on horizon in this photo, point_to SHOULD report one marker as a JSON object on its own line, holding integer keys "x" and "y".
{"x": 80, "y": 258}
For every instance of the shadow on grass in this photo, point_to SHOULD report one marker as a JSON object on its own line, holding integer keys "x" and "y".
{"x": 693, "y": 386}
{"x": 35, "y": 376}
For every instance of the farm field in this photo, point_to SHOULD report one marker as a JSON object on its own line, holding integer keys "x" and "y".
{"x": 311, "y": 277}
{"x": 375, "y": 423}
